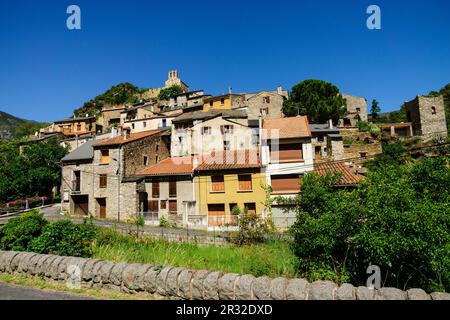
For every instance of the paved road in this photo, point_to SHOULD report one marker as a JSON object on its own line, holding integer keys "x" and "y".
{"x": 13, "y": 292}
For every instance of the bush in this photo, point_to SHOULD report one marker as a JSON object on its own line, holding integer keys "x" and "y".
{"x": 398, "y": 219}
{"x": 19, "y": 232}
{"x": 252, "y": 229}
{"x": 66, "y": 239}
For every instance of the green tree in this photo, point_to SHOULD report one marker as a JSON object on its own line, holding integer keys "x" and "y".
{"x": 34, "y": 172}
{"x": 319, "y": 100}
{"x": 170, "y": 92}
{"x": 374, "y": 110}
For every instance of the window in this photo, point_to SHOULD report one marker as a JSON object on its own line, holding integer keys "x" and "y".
{"x": 144, "y": 124}
{"x": 217, "y": 184}
{"x": 156, "y": 159}
{"x": 206, "y": 131}
{"x": 216, "y": 214}
{"x": 145, "y": 160}
{"x": 433, "y": 110}
{"x": 358, "y": 110}
{"x": 105, "y": 157}
{"x": 226, "y": 129}
{"x": 164, "y": 123}
{"x": 251, "y": 208}
{"x": 163, "y": 204}
{"x": 222, "y": 101}
{"x": 226, "y": 145}
{"x": 103, "y": 180}
{"x": 245, "y": 182}
{"x": 180, "y": 139}
{"x": 289, "y": 183}
{"x": 172, "y": 188}
{"x": 320, "y": 138}
{"x": 173, "y": 206}
{"x": 266, "y": 99}
{"x": 363, "y": 154}
{"x": 155, "y": 189}
{"x": 211, "y": 103}
{"x": 264, "y": 111}
{"x": 132, "y": 126}
{"x": 78, "y": 127}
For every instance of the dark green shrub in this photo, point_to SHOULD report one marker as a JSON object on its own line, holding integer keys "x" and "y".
{"x": 19, "y": 232}
{"x": 252, "y": 229}
{"x": 65, "y": 238}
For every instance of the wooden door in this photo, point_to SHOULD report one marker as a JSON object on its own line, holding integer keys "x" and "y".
{"x": 102, "y": 207}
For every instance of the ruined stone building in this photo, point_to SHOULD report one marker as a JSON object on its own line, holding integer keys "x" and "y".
{"x": 327, "y": 142}
{"x": 427, "y": 115}
{"x": 356, "y": 111}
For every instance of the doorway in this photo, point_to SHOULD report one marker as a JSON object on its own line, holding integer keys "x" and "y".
{"x": 102, "y": 207}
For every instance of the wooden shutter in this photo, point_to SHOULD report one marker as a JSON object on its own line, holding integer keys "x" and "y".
{"x": 155, "y": 189}
{"x": 172, "y": 188}
{"x": 105, "y": 156}
{"x": 173, "y": 206}
{"x": 217, "y": 184}
{"x": 163, "y": 204}
{"x": 288, "y": 151}
{"x": 216, "y": 214}
{"x": 251, "y": 208}
{"x": 245, "y": 182}
{"x": 103, "y": 180}
{"x": 289, "y": 182}
{"x": 153, "y": 205}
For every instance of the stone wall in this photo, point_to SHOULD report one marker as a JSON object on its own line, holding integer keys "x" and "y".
{"x": 180, "y": 283}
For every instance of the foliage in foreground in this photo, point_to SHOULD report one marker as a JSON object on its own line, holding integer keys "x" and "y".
{"x": 31, "y": 232}
{"x": 398, "y": 219}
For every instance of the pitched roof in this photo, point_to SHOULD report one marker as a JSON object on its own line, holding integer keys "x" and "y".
{"x": 230, "y": 159}
{"x": 289, "y": 127}
{"x": 121, "y": 140}
{"x": 75, "y": 119}
{"x": 348, "y": 178}
{"x": 83, "y": 152}
{"x": 170, "y": 166}
{"x": 204, "y": 115}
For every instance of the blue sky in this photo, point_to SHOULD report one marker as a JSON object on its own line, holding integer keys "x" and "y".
{"x": 46, "y": 70}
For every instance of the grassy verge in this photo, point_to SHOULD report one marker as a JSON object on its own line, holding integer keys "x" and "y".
{"x": 273, "y": 259}
{"x": 54, "y": 286}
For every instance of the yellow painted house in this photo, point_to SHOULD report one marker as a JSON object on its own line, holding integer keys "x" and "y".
{"x": 228, "y": 179}
{"x": 226, "y": 101}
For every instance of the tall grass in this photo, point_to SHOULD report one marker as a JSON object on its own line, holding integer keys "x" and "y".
{"x": 273, "y": 259}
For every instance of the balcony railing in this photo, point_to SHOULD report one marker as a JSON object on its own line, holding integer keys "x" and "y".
{"x": 151, "y": 216}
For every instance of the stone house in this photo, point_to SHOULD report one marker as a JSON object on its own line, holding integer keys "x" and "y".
{"x": 356, "y": 111}
{"x": 187, "y": 101}
{"x": 326, "y": 142}
{"x": 267, "y": 103}
{"x": 196, "y": 133}
{"x": 111, "y": 116}
{"x": 74, "y": 126}
{"x": 427, "y": 115}
{"x": 99, "y": 183}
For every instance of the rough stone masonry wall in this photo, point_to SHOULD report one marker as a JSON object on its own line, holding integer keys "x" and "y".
{"x": 180, "y": 283}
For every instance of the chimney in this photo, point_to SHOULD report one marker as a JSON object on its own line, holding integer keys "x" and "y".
{"x": 280, "y": 90}
{"x": 230, "y": 90}
{"x": 330, "y": 124}
{"x": 113, "y": 132}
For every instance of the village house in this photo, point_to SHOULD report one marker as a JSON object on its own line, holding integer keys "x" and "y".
{"x": 202, "y": 132}
{"x": 228, "y": 179}
{"x": 167, "y": 191}
{"x": 427, "y": 116}
{"x": 187, "y": 101}
{"x": 326, "y": 142}
{"x": 74, "y": 126}
{"x": 267, "y": 103}
{"x": 225, "y": 101}
{"x": 96, "y": 182}
{"x": 356, "y": 111}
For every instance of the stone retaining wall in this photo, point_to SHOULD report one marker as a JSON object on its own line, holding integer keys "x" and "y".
{"x": 180, "y": 283}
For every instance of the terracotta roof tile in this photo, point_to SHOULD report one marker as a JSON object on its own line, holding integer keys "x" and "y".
{"x": 121, "y": 140}
{"x": 232, "y": 159}
{"x": 348, "y": 178}
{"x": 289, "y": 127}
{"x": 170, "y": 166}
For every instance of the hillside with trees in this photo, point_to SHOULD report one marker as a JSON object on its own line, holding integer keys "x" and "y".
{"x": 12, "y": 127}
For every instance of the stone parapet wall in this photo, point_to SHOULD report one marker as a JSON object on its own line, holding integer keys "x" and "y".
{"x": 180, "y": 283}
